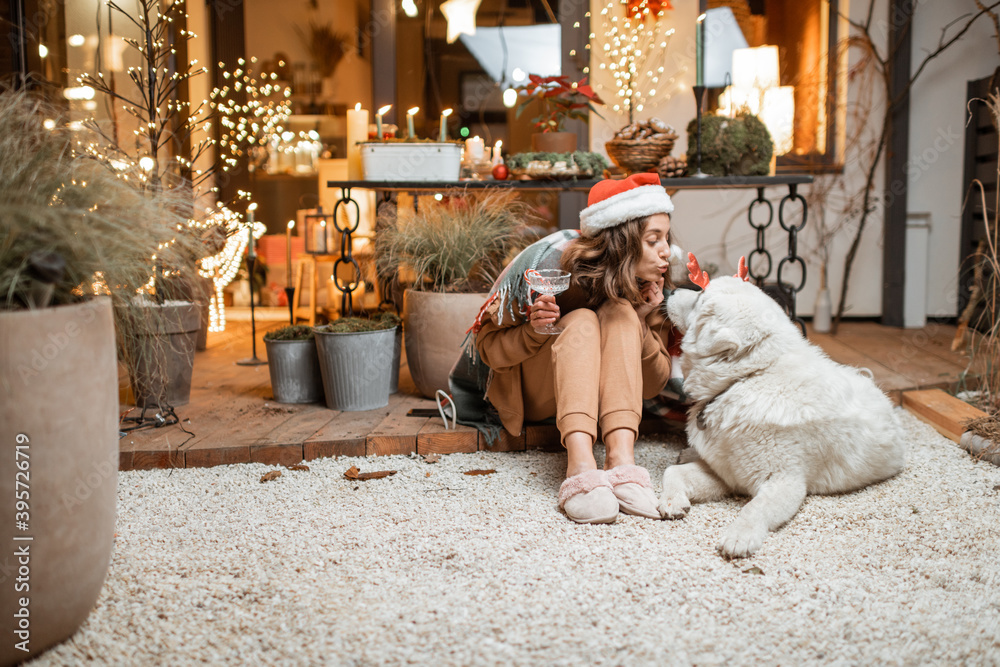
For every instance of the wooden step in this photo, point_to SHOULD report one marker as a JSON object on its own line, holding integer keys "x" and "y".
{"x": 941, "y": 410}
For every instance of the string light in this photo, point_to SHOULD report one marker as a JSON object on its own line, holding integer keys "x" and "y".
{"x": 631, "y": 44}
{"x": 222, "y": 267}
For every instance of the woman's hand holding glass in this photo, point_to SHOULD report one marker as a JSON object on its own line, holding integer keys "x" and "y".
{"x": 544, "y": 310}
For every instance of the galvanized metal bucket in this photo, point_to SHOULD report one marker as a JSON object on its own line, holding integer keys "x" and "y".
{"x": 294, "y": 368}
{"x": 356, "y": 368}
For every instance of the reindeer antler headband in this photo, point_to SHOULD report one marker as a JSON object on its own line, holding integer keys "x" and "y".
{"x": 700, "y": 278}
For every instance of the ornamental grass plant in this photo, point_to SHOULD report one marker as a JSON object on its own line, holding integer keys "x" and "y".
{"x": 460, "y": 244}
{"x": 74, "y": 228}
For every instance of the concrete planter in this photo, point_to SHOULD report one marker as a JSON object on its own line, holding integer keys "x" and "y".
{"x": 294, "y": 369}
{"x": 434, "y": 326}
{"x": 162, "y": 376}
{"x": 59, "y": 425}
{"x": 356, "y": 368}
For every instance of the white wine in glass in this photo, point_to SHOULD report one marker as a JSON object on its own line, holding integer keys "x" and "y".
{"x": 547, "y": 281}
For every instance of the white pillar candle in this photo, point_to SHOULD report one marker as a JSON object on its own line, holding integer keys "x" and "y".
{"x": 357, "y": 131}
{"x": 474, "y": 148}
{"x": 497, "y": 156}
{"x": 443, "y": 136}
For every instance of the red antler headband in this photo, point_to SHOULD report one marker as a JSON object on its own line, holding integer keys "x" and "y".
{"x": 700, "y": 278}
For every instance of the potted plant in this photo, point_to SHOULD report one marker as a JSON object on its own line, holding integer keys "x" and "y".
{"x": 355, "y": 357}
{"x": 560, "y": 99}
{"x": 293, "y": 364}
{"x": 163, "y": 122}
{"x": 444, "y": 257}
{"x": 75, "y": 256}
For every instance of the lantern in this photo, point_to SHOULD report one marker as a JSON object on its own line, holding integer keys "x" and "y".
{"x": 320, "y": 232}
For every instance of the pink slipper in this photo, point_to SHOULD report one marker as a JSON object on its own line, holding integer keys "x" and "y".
{"x": 589, "y": 498}
{"x": 634, "y": 491}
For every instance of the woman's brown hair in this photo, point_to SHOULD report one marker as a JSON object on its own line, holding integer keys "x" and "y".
{"x": 603, "y": 265}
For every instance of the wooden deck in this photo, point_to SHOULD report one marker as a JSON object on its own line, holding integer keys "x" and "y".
{"x": 232, "y": 417}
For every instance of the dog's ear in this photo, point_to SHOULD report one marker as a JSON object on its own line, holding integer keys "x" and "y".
{"x": 722, "y": 342}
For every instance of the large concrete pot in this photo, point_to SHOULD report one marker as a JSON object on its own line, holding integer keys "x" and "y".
{"x": 162, "y": 375}
{"x": 434, "y": 326}
{"x": 59, "y": 426}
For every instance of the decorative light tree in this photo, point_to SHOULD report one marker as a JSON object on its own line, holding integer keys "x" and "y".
{"x": 631, "y": 43}
{"x": 248, "y": 126}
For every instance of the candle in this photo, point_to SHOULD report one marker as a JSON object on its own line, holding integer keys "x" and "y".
{"x": 378, "y": 119}
{"x": 357, "y": 132}
{"x": 699, "y": 56}
{"x": 410, "y": 134}
{"x": 444, "y": 125}
{"x": 497, "y": 157}
{"x": 288, "y": 253}
{"x": 319, "y": 242}
{"x": 474, "y": 148}
{"x": 252, "y": 243}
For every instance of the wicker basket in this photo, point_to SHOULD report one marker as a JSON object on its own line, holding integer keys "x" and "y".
{"x": 638, "y": 155}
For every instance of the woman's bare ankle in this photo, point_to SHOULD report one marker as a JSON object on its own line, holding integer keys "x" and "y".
{"x": 619, "y": 449}
{"x": 579, "y": 454}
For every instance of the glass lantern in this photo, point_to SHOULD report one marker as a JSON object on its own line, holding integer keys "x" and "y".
{"x": 320, "y": 232}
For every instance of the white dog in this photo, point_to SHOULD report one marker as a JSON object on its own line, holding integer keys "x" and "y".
{"x": 773, "y": 417}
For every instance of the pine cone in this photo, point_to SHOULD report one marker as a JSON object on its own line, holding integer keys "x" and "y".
{"x": 672, "y": 167}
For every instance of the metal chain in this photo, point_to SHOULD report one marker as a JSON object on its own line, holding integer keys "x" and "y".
{"x": 346, "y": 253}
{"x": 793, "y": 257}
{"x": 761, "y": 250}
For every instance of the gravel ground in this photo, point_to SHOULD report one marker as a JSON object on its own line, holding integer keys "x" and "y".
{"x": 432, "y": 566}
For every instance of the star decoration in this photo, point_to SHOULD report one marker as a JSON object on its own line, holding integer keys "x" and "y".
{"x": 461, "y": 15}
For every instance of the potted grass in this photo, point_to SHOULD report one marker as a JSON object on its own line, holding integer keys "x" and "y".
{"x": 293, "y": 364}
{"x": 76, "y": 248}
{"x": 356, "y": 355}
{"x": 443, "y": 258}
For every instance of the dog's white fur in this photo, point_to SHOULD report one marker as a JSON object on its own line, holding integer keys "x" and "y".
{"x": 780, "y": 419}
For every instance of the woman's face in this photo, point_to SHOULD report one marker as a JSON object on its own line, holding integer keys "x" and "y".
{"x": 654, "y": 261}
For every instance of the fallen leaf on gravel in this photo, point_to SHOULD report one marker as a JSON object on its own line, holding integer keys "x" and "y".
{"x": 432, "y": 458}
{"x": 268, "y": 476}
{"x": 427, "y": 475}
{"x": 753, "y": 570}
{"x": 354, "y": 473}
{"x": 299, "y": 466}
{"x": 479, "y": 472}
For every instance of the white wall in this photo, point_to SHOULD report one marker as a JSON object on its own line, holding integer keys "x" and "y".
{"x": 713, "y": 224}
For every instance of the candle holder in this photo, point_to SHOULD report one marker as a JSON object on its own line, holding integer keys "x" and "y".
{"x": 319, "y": 229}
{"x": 253, "y": 360}
{"x": 699, "y": 99}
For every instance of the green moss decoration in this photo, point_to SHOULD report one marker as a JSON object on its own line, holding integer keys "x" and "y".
{"x": 378, "y": 322}
{"x": 739, "y": 146}
{"x": 587, "y": 161}
{"x": 295, "y": 332}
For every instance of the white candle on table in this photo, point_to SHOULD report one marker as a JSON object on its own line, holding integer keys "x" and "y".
{"x": 410, "y": 134}
{"x": 497, "y": 157}
{"x": 357, "y": 132}
{"x": 475, "y": 147}
{"x": 378, "y": 120}
{"x": 443, "y": 136}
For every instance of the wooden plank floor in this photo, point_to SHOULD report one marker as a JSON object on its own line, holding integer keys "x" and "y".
{"x": 232, "y": 417}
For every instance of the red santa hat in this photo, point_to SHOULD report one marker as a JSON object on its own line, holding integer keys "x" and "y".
{"x": 612, "y": 202}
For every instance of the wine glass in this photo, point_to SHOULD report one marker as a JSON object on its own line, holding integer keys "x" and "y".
{"x": 547, "y": 281}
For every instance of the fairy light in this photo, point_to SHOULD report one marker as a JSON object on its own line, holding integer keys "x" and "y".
{"x": 222, "y": 267}
{"x": 630, "y": 44}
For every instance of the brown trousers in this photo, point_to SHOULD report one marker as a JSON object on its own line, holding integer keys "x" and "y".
{"x": 591, "y": 376}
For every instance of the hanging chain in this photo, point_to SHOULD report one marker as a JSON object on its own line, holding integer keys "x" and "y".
{"x": 793, "y": 257}
{"x": 346, "y": 250}
{"x": 760, "y": 251}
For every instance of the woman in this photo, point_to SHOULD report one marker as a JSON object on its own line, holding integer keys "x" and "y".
{"x": 593, "y": 376}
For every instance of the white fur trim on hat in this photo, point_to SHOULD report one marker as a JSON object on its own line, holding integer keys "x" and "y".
{"x": 638, "y": 202}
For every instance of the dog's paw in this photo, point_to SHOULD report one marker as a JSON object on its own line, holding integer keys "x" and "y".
{"x": 741, "y": 541}
{"x": 674, "y": 507}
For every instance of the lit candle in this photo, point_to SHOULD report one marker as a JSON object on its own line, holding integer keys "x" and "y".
{"x": 378, "y": 119}
{"x": 444, "y": 125}
{"x": 357, "y": 132}
{"x": 497, "y": 157}
{"x": 320, "y": 240}
{"x": 410, "y": 134}
{"x": 699, "y": 56}
{"x": 288, "y": 253}
{"x": 474, "y": 148}
{"x": 252, "y": 244}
